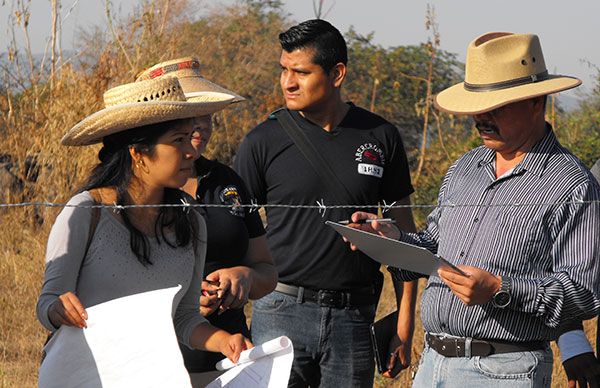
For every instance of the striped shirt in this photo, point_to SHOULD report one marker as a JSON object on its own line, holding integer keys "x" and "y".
{"x": 550, "y": 252}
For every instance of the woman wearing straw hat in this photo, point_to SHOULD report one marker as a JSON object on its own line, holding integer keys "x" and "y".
{"x": 238, "y": 263}
{"x": 145, "y": 131}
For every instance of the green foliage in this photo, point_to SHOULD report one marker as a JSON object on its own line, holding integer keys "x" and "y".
{"x": 397, "y": 77}
{"x": 239, "y": 50}
{"x": 580, "y": 131}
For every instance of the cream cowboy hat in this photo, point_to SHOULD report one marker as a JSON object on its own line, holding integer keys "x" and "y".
{"x": 187, "y": 71}
{"x": 501, "y": 68}
{"x": 142, "y": 103}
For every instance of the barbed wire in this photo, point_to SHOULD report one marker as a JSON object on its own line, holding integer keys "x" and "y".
{"x": 320, "y": 205}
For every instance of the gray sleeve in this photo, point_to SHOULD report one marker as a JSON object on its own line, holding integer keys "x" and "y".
{"x": 596, "y": 170}
{"x": 187, "y": 314}
{"x": 64, "y": 254}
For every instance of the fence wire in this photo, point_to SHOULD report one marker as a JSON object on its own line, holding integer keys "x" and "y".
{"x": 320, "y": 205}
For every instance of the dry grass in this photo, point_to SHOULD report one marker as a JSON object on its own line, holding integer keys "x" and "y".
{"x": 32, "y": 122}
{"x": 21, "y": 269}
{"x": 22, "y": 337}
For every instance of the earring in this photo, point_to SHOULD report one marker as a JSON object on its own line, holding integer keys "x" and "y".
{"x": 142, "y": 166}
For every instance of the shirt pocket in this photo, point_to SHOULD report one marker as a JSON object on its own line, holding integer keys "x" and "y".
{"x": 522, "y": 235}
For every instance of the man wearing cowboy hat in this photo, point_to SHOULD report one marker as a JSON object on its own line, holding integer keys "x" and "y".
{"x": 529, "y": 239}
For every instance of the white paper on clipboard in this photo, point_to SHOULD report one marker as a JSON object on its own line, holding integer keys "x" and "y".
{"x": 392, "y": 252}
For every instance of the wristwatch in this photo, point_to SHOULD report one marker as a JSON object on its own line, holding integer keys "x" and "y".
{"x": 502, "y": 298}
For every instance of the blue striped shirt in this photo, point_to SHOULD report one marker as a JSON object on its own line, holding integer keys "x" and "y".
{"x": 550, "y": 252}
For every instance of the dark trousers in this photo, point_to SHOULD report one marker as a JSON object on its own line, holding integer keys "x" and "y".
{"x": 332, "y": 346}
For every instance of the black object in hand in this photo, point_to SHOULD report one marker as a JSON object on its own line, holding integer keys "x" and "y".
{"x": 584, "y": 369}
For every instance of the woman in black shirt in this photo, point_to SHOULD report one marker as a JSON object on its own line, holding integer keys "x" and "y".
{"x": 238, "y": 263}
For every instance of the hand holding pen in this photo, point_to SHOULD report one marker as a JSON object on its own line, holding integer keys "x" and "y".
{"x": 363, "y": 221}
{"x": 369, "y": 222}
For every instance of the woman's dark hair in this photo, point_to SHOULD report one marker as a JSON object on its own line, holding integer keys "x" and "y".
{"x": 115, "y": 170}
{"x": 327, "y": 41}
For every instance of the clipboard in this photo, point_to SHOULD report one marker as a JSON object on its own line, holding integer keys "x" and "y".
{"x": 393, "y": 252}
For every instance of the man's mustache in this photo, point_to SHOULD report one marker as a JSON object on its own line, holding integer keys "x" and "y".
{"x": 485, "y": 126}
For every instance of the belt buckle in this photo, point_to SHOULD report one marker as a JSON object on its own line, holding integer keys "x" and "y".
{"x": 457, "y": 347}
{"x": 331, "y": 298}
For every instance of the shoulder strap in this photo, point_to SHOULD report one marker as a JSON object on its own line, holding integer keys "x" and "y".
{"x": 93, "y": 222}
{"x": 321, "y": 167}
{"x": 197, "y": 212}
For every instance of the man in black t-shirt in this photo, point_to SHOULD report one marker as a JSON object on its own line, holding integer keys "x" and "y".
{"x": 327, "y": 295}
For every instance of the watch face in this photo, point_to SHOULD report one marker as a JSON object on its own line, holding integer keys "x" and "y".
{"x": 501, "y": 299}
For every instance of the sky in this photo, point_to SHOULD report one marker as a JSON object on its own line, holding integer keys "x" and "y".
{"x": 567, "y": 29}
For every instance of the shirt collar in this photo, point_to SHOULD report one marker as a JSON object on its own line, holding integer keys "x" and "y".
{"x": 203, "y": 167}
{"x": 536, "y": 160}
{"x": 303, "y": 121}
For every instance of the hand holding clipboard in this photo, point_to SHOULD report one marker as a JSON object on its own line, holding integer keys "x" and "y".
{"x": 393, "y": 252}
{"x": 473, "y": 285}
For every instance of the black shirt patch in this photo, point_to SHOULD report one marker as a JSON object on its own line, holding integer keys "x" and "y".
{"x": 229, "y": 229}
{"x": 230, "y": 196}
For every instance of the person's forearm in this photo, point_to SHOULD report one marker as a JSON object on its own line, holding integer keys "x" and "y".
{"x": 406, "y": 297}
{"x": 264, "y": 280}
{"x": 208, "y": 337}
{"x": 406, "y": 315}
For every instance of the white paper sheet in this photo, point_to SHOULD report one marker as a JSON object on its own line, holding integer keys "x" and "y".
{"x": 392, "y": 252}
{"x": 267, "y": 365}
{"x": 129, "y": 342}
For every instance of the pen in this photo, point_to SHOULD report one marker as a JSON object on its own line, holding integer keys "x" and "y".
{"x": 364, "y": 221}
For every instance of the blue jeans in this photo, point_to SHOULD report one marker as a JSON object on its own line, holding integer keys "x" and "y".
{"x": 510, "y": 370}
{"x": 332, "y": 347}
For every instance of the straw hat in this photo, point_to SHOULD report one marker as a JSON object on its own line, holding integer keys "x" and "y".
{"x": 501, "y": 68}
{"x": 187, "y": 70}
{"x": 142, "y": 103}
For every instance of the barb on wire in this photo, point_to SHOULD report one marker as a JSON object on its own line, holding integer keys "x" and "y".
{"x": 322, "y": 207}
{"x": 186, "y": 205}
{"x": 117, "y": 208}
{"x": 253, "y": 205}
{"x": 387, "y": 207}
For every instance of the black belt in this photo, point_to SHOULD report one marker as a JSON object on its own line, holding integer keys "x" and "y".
{"x": 467, "y": 347}
{"x": 330, "y": 298}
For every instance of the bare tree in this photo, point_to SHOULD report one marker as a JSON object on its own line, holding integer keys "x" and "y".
{"x": 116, "y": 37}
{"x": 55, "y": 4}
{"x": 433, "y": 44}
{"x": 374, "y": 94}
{"x": 318, "y": 8}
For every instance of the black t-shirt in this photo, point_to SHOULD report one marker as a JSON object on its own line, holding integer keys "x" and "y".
{"x": 228, "y": 234}
{"x": 229, "y": 229}
{"x": 364, "y": 151}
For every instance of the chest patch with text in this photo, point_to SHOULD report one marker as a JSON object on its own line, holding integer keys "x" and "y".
{"x": 371, "y": 160}
{"x": 230, "y": 196}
